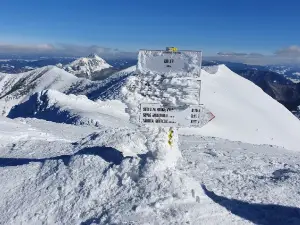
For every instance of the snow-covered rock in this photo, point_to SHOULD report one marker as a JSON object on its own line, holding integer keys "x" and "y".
{"x": 87, "y": 66}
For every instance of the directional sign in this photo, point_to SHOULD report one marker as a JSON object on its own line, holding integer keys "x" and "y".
{"x": 159, "y": 61}
{"x": 163, "y": 116}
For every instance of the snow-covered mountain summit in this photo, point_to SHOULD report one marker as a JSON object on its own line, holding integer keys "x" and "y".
{"x": 86, "y": 66}
{"x": 77, "y": 160}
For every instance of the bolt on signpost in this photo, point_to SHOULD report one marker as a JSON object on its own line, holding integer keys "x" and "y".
{"x": 169, "y": 62}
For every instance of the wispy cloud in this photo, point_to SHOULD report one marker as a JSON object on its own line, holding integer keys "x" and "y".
{"x": 289, "y": 55}
{"x": 10, "y": 48}
{"x": 63, "y": 50}
{"x": 292, "y": 51}
{"x": 231, "y": 54}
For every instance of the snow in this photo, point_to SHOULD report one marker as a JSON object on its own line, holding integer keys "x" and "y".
{"x": 55, "y": 106}
{"x": 86, "y": 66}
{"x": 95, "y": 164}
{"x": 16, "y": 131}
{"x": 77, "y": 184}
{"x": 296, "y": 81}
{"x": 243, "y": 112}
{"x": 15, "y": 88}
{"x": 296, "y": 73}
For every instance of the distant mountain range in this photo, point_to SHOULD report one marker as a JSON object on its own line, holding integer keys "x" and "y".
{"x": 92, "y": 67}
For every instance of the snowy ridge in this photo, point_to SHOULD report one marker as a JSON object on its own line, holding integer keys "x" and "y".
{"x": 15, "y": 88}
{"x": 54, "y": 106}
{"x": 86, "y": 66}
{"x": 245, "y": 113}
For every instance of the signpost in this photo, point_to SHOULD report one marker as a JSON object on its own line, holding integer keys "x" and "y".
{"x": 170, "y": 61}
{"x": 186, "y": 65}
{"x": 165, "y": 116}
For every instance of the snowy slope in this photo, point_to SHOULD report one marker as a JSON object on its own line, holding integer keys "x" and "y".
{"x": 16, "y": 88}
{"x": 245, "y": 113}
{"x": 86, "y": 66}
{"x": 52, "y": 105}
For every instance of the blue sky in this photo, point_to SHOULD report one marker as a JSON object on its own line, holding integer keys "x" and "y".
{"x": 261, "y": 26}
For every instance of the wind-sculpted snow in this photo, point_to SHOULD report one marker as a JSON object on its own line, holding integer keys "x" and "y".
{"x": 57, "y": 107}
{"x": 88, "y": 181}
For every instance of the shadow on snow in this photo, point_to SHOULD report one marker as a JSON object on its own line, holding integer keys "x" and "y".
{"x": 110, "y": 155}
{"x": 258, "y": 213}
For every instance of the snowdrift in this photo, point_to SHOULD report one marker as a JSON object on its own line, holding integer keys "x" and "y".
{"x": 52, "y": 105}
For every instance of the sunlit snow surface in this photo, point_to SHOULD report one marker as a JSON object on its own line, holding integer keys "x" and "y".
{"x": 75, "y": 180}
{"x": 72, "y": 170}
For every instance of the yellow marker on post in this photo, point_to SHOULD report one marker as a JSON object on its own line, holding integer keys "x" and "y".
{"x": 172, "y": 49}
{"x": 170, "y": 137}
